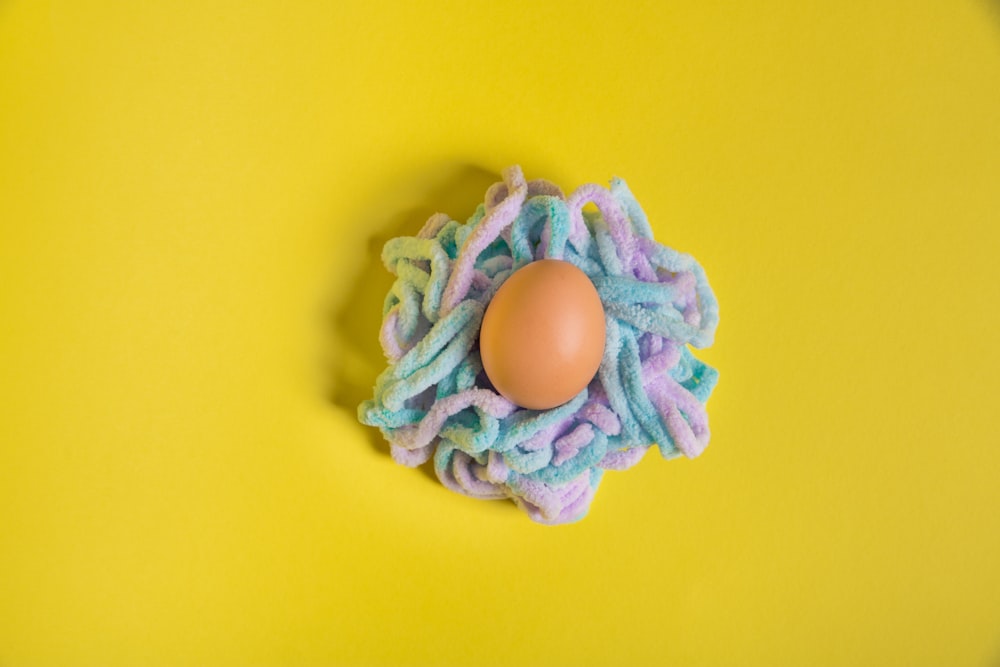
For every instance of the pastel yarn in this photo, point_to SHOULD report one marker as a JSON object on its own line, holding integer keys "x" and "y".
{"x": 434, "y": 400}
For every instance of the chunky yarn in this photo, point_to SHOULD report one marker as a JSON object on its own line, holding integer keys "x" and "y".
{"x": 434, "y": 399}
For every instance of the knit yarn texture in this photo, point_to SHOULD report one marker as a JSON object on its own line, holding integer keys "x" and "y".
{"x": 434, "y": 400}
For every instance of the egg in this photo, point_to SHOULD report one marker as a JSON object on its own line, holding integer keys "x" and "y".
{"x": 543, "y": 334}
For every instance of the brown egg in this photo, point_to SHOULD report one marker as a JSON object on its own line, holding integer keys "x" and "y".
{"x": 542, "y": 337}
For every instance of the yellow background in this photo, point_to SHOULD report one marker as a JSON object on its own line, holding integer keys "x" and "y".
{"x": 191, "y": 204}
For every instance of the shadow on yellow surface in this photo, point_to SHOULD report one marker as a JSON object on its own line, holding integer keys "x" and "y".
{"x": 994, "y": 6}
{"x": 355, "y": 315}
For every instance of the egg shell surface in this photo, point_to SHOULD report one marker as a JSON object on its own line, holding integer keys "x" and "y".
{"x": 543, "y": 335}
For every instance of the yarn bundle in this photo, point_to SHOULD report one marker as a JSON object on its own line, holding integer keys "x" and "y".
{"x": 434, "y": 400}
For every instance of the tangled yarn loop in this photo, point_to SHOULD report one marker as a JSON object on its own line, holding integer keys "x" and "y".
{"x": 435, "y": 400}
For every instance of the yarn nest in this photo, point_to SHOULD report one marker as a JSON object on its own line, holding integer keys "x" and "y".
{"x": 434, "y": 400}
